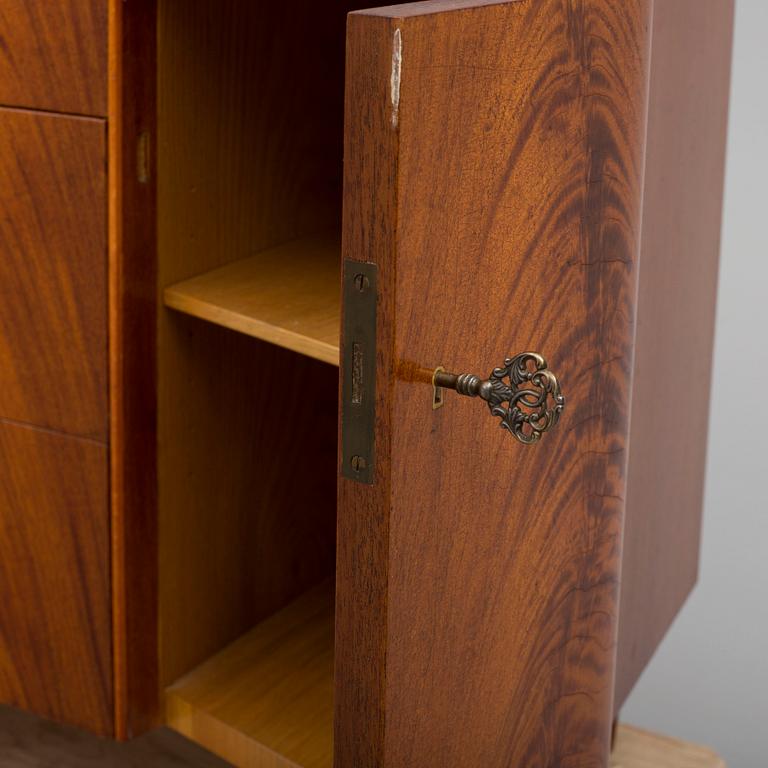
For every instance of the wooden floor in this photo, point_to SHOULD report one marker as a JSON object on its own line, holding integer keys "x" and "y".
{"x": 29, "y": 742}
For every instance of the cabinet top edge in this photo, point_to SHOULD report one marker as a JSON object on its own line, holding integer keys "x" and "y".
{"x": 428, "y": 8}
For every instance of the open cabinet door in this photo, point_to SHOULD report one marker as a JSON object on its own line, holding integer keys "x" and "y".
{"x": 494, "y": 158}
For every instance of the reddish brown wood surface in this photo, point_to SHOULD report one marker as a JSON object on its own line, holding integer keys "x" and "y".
{"x": 132, "y": 363}
{"x": 55, "y": 654}
{"x": 53, "y": 293}
{"x": 678, "y": 281}
{"x": 53, "y": 55}
{"x": 362, "y": 538}
{"x": 495, "y": 176}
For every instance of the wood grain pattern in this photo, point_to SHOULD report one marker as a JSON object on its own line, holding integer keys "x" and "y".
{"x": 635, "y": 748}
{"x": 133, "y": 363}
{"x": 678, "y": 282}
{"x": 53, "y": 55}
{"x": 55, "y": 657}
{"x": 499, "y": 190}
{"x": 362, "y": 528}
{"x": 53, "y": 297}
{"x": 245, "y": 466}
{"x": 266, "y": 700}
{"x": 288, "y": 295}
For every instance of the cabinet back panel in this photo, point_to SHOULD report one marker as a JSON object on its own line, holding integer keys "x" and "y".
{"x": 250, "y": 156}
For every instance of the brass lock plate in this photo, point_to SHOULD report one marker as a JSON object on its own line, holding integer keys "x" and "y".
{"x": 358, "y": 379}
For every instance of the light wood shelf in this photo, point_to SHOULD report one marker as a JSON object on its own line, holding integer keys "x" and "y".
{"x": 288, "y": 295}
{"x": 635, "y": 748}
{"x": 266, "y": 700}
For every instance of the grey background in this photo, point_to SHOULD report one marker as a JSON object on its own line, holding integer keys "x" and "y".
{"x": 708, "y": 682}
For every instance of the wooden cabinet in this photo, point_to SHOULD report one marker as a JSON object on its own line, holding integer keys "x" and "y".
{"x": 491, "y": 178}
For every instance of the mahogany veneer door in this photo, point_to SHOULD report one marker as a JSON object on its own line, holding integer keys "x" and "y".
{"x": 494, "y": 155}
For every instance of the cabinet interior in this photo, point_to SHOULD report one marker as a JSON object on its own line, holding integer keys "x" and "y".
{"x": 249, "y": 157}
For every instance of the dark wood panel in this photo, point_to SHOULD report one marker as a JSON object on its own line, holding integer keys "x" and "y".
{"x": 53, "y": 55}
{"x": 493, "y": 170}
{"x": 687, "y": 118}
{"x": 55, "y": 649}
{"x": 53, "y": 272}
{"x": 133, "y": 362}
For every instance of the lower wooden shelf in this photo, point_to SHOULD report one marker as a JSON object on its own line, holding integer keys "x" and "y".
{"x": 635, "y": 748}
{"x": 266, "y": 700}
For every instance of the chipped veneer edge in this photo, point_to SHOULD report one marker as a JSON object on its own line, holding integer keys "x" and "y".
{"x": 394, "y": 80}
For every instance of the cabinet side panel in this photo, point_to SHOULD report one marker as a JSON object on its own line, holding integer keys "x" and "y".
{"x": 687, "y": 119}
{"x": 55, "y": 655}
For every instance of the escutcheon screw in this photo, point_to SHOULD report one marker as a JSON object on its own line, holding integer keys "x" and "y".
{"x": 358, "y": 463}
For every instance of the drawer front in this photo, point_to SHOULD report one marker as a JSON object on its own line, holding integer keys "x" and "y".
{"x": 54, "y": 55}
{"x": 53, "y": 274}
{"x": 55, "y": 657}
